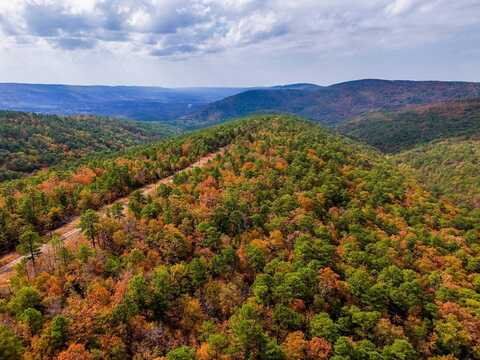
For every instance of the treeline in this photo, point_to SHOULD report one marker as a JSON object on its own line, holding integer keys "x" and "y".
{"x": 295, "y": 244}
{"x": 29, "y": 142}
{"x": 392, "y": 132}
{"x": 42, "y": 202}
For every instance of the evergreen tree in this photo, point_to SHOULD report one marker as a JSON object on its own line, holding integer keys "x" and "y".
{"x": 89, "y": 225}
{"x": 30, "y": 246}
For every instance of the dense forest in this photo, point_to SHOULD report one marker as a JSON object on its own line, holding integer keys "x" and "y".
{"x": 30, "y": 142}
{"x": 396, "y": 131}
{"x": 49, "y": 198}
{"x": 295, "y": 244}
{"x": 448, "y": 168}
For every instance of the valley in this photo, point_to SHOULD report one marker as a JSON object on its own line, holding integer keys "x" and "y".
{"x": 133, "y": 102}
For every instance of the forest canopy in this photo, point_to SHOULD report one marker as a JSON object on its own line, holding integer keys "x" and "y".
{"x": 294, "y": 244}
{"x": 392, "y": 132}
{"x": 30, "y": 142}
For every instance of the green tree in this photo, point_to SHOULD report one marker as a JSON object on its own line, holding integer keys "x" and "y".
{"x": 61, "y": 253}
{"x": 182, "y": 353}
{"x": 399, "y": 350}
{"x": 89, "y": 225}
{"x": 59, "y": 332}
{"x": 26, "y": 297}
{"x": 116, "y": 211}
{"x": 287, "y": 319}
{"x": 322, "y": 326}
{"x": 136, "y": 201}
{"x": 10, "y": 346}
{"x": 33, "y": 318}
{"x": 30, "y": 246}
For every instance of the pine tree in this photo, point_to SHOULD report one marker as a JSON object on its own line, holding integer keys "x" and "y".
{"x": 89, "y": 225}
{"x": 30, "y": 246}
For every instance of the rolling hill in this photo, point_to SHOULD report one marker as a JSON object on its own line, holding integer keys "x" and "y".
{"x": 134, "y": 102}
{"x": 448, "y": 168}
{"x": 295, "y": 243}
{"x": 440, "y": 141}
{"x": 29, "y": 142}
{"x": 395, "y": 131}
{"x": 332, "y": 104}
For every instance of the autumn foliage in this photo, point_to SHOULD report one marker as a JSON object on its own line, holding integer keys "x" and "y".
{"x": 294, "y": 244}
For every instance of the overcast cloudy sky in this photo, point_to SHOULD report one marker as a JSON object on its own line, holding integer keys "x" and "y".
{"x": 237, "y": 42}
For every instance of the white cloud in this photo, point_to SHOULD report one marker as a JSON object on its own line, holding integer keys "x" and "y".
{"x": 222, "y": 31}
{"x": 398, "y": 7}
{"x": 205, "y": 26}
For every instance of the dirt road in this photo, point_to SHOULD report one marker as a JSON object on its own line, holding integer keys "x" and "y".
{"x": 70, "y": 231}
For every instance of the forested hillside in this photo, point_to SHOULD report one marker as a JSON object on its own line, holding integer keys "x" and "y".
{"x": 440, "y": 141}
{"x": 295, "y": 244}
{"x": 332, "y": 104}
{"x": 29, "y": 142}
{"x": 395, "y": 131}
{"x": 46, "y": 200}
{"x": 448, "y": 168}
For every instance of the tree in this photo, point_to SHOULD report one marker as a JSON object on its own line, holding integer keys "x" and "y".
{"x": 136, "y": 201}
{"x": 295, "y": 346}
{"x": 399, "y": 350}
{"x": 286, "y": 318}
{"x": 116, "y": 211}
{"x": 181, "y": 353}
{"x": 249, "y": 337}
{"x": 10, "y": 346}
{"x": 30, "y": 245}
{"x": 58, "y": 331}
{"x": 60, "y": 252}
{"x": 75, "y": 352}
{"x": 33, "y": 318}
{"x": 322, "y": 326}
{"x": 89, "y": 225}
{"x": 5, "y": 241}
{"x": 26, "y": 297}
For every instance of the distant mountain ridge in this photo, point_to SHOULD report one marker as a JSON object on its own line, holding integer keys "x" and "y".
{"x": 199, "y": 107}
{"x": 135, "y": 102}
{"x": 332, "y": 104}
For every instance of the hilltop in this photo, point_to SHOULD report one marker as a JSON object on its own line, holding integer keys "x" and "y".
{"x": 293, "y": 243}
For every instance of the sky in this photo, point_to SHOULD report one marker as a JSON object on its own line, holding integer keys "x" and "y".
{"x": 178, "y": 43}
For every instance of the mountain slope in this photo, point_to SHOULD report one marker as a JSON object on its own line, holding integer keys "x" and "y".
{"x": 49, "y": 198}
{"x": 135, "y": 102}
{"x": 294, "y": 244}
{"x": 29, "y": 142}
{"x": 334, "y": 103}
{"x": 449, "y": 168}
{"x": 396, "y": 131}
